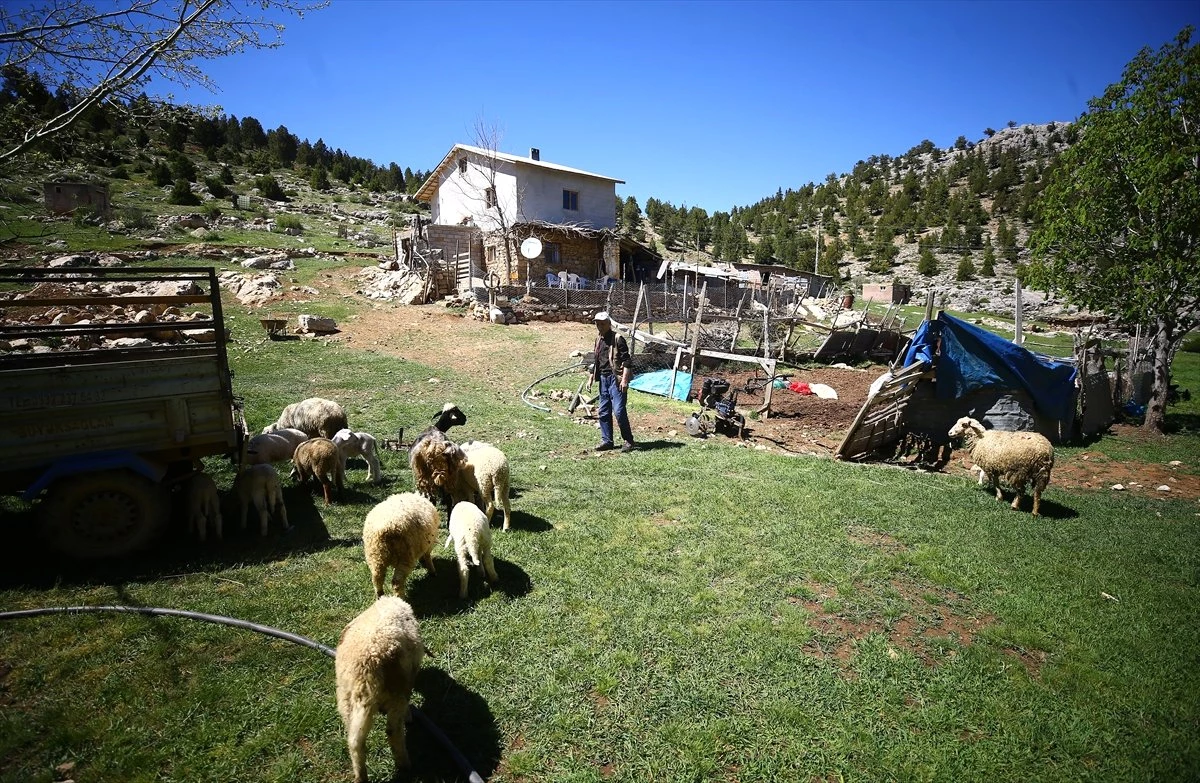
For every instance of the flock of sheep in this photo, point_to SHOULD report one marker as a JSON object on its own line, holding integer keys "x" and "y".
{"x": 381, "y": 650}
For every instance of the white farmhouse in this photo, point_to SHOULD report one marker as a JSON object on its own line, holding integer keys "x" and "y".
{"x": 485, "y": 203}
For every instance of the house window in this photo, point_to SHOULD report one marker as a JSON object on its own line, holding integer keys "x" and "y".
{"x": 550, "y": 252}
{"x": 462, "y": 166}
{"x": 489, "y": 197}
{"x": 571, "y": 200}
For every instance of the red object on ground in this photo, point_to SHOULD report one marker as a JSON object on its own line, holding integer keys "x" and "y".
{"x": 800, "y": 387}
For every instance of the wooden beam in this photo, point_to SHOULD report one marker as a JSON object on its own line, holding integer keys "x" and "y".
{"x": 696, "y": 334}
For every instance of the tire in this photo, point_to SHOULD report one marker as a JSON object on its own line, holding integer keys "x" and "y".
{"x": 104, "y": 514}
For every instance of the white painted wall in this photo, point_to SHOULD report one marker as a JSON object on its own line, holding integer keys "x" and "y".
{"x": 539, "y": 191}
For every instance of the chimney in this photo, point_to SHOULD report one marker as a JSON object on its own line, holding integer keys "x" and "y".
{"x": 535, "y": 153}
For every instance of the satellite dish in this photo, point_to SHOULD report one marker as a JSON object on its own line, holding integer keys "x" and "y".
{"x": 531, "y": 248}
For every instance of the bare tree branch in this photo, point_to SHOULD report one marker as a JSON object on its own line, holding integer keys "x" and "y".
{"x": 108, "y": 56}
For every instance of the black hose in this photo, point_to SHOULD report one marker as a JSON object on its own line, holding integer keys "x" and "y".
{"x": 546, "y": 377}
{"x": 463, "y": 764}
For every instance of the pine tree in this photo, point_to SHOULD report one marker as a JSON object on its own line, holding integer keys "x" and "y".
{"x": 319, "y": 179}
{"x": 966, "y": 269}
{"x": 927, "y": 264}
{"x": 160, "y": 175}
{"x": 182, "y": 194}
{"x": 988, "y": 268}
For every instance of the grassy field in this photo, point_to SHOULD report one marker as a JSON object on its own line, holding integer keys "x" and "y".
{"x": 688, "y": 612}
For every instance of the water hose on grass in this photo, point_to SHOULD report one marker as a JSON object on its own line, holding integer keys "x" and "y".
{"x": 459, "y": 759}
{"x": 563, "y": 371}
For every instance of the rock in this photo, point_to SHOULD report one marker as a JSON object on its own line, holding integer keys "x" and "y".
{"x": 315, "y": 324}
{"x": 1175, "y": 463}
{"x": 201, "y": 335}
{"x": 71, "y": 260}
{"x": 270, "y": 261}
{"x": 129, "y": 342}
{"x": 1163, "y": 488}
{"x": 1118, "y": 487}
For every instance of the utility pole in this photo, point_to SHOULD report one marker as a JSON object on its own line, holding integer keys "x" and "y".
{"x": 817, "y": 261}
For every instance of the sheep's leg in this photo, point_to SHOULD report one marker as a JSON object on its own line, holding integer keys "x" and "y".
{"x": 264, "y": 515}
{"x": 427, "y": 560}
{"x": 464, "y": 570}
{"x": 325, "y": 489}
{"x": 395, "y": 733}
{"x": 507, "y": 513}
{"x": 245, "y": 502}
{"x": 199, "y": 523}
{"x": 1020, "y": 490}
{"x": 280, "y": 509}
{"x": 218, "y": 523}
{"x": 378, "y": 575}
{"x": 358, "y": 726}
{"x": 994, "y": 480}
{"x": 489, "y": 568}
{"x": 400, "y": 580}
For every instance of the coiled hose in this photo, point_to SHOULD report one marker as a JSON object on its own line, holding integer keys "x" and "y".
{"x": 459, "y": 759}
{"x": 543, "y": 378}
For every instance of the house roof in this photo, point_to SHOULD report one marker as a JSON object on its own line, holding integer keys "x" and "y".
{"x": 429, "y": 186}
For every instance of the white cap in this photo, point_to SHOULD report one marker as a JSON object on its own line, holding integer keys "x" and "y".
{"x": 601, "y": 316}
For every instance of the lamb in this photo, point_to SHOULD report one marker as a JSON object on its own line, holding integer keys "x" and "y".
{"x": 315, "y": 416}
{"x": 398, "y": 532}
{"x": 258, "y": 485}
{"x": 203, "y": 504}
{"x": 376, "y": 665}
{"x": 353, "y": 444}
{"x": 449, "y": 416}
{"x": 1016, "y": 458}
{"x": 491, "y": 472}
{"x": 471, "y": 535}
{"x": 319, "y": 458}
{"x": 274, "y": 446}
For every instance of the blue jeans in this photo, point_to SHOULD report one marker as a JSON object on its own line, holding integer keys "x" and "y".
{"x": 612, "y": 402}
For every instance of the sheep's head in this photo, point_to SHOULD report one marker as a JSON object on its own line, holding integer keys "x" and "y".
{"x": 343, "y": 438}
{"x": 966, "y": 425}
{"x": 449, "y": 416}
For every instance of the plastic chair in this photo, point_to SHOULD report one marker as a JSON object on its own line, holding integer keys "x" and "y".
{"x": 552, "y": 280}
{"x": 572, "y": 280}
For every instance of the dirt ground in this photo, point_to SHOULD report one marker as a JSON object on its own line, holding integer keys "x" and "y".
{"x": 798, "y": 424}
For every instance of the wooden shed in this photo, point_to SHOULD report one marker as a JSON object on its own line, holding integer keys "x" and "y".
{"x": 64, "y": 198}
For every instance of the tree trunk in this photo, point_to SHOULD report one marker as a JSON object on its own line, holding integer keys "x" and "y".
{"x": 1156, "y": 410}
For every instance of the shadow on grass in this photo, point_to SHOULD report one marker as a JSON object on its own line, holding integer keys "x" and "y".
{"x": 27, "y": 562}
{"x": 466, "y": 720}
{"x": 1049, "y": 509}
{"x": 436, "y": 595}
{"x": 655, "y": 445}
{"x": 521, "y": 520}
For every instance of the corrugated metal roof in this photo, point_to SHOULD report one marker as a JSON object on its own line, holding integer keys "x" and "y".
{"x": 429, "y": 186}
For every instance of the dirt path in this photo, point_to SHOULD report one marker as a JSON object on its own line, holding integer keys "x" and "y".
{"x": 512, "y": 357}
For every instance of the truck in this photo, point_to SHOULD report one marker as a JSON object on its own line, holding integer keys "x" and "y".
{"x": 114, "y": 384}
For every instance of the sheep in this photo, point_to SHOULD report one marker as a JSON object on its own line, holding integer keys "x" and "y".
{"x": 320, "y": 459}
{"x": 398, "y": 532}
{"x": 353, "y": 444}
{"x": 316, "y": 416}
{"x": 449, "y": 416}
{"x": 441, "y": 470}
{"x": 203, "y": 504}
{"x": 258, "y": 485}
{"x": 471, "y": 535}
{"x": 1016, "y": 458}
{"x": 491, "y": 472}
{"x": 376, "y": 666}
{"x": 275, "y": 446}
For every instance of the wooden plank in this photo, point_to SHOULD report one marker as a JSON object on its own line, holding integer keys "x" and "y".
{"x": 696, "y": 334}
{"x": 637, "y": 309}
{"x": 118, "y": 301}
{"x": 737, "y": 318}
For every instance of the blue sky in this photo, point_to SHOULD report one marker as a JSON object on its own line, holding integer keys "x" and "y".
{"x": 710, "y": 104}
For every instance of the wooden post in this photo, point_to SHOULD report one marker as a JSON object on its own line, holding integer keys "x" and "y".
{"x": 637, "y": 309}
{"x": 1017, "y": 316}
{"x": 737, "y": 323}
{"x": 674, "y": 372}
{"x": 929, "y": 305}
{"x": 696, "y": 334}
{"x": 769, "y": 367}
{"x": 685, "y": 308}
{"x": 767, "y": 333}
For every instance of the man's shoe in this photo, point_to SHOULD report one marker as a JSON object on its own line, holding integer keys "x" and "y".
{"x": 604, "y": 447}
{"x": 628, "y": 447}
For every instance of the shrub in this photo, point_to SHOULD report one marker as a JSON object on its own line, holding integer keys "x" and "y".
{"x": 160, "y": 174}
{"x": 289, "y": 224}
{"x": 182, "y": 194}
{"x": 927, "y": 264}
{"x": 211, "y": 210}
{"x": 183, "y": 168}
{"x": 136, "y": 217}
{"x": 269, "y": 187}
{"x": 226, "y": 175}
{"x": 966, "y": 269}
{"x": 216, "y": 187}
{"x": 119, "y": 173}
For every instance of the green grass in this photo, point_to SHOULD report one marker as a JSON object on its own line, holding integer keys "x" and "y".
{"x": 693, "y": 611}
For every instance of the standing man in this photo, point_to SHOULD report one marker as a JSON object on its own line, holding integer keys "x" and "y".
{"x": 612, "y": 368}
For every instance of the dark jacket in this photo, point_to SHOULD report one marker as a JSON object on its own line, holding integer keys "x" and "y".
{"x": 611, "y": 351}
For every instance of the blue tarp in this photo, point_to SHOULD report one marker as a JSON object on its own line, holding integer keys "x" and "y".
{"x": 659, "y": 382}
{"x": 972, "y": 358}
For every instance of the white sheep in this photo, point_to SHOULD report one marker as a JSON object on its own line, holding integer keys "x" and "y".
{"x": 203, "y": 504}
{"x": 491, "y": 473}
{"x": 471, "y": 536}
{"x": 258, "y": 485}
{"x": 316, "y": 416}
{"x": 376, "y": 666}
{"x": 277, "y": 445}
{"x": 398, "y": 532}
{"x": 354, "y": 444}
{"x": 319, "y": 458}
{"x": 1016, "y": 458}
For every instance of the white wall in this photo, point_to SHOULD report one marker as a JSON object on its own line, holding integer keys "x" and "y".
{"x": 538, "y": 189}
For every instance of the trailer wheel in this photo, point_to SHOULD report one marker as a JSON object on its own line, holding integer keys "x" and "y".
{"x": 104, "y": 514}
